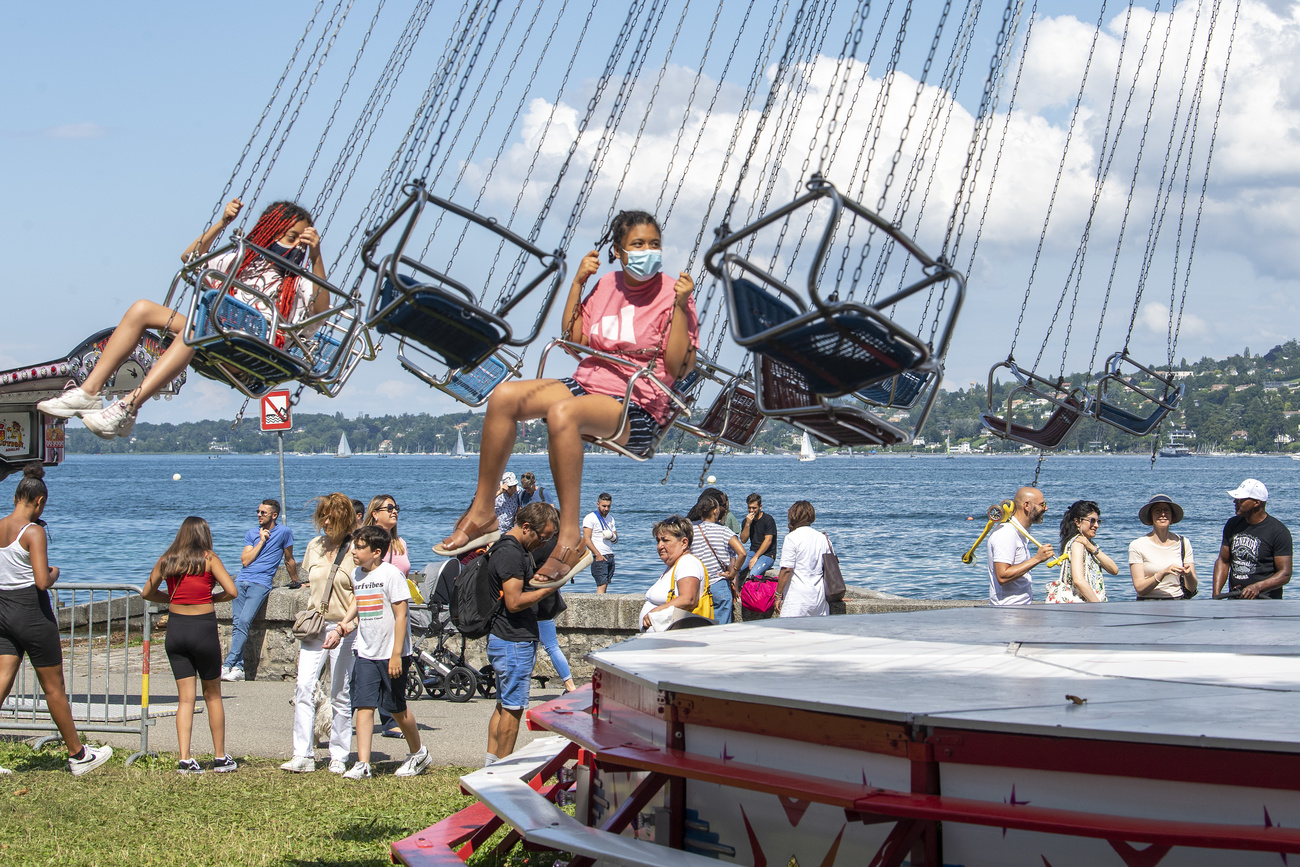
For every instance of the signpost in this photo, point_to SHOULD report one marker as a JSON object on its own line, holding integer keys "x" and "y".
{"x": 275, "y": 416}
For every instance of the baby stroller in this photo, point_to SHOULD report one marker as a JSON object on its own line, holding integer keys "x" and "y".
{"x": 441, "y": 671}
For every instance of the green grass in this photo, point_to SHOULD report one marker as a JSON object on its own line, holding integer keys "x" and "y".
{"x": 147, "y": 814}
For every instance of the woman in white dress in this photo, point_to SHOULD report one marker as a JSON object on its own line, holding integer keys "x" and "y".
{"x": 799, "y": 589}
{"x": 684, "y": 578}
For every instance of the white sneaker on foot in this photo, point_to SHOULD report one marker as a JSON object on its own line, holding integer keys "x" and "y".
{"x": 360, "y": 771}
{"x": 225, "y": 670}
{"x": 234, "y": 675}
{"x": 115, "y": 420}
{"x": 91, "y": 759}
{"x": 415, "y": 763}
{"x": 72, "y": 402}
{"x": 5, "y": 771}
{"x": 299, "y": 765}
{"x": 337, "y": 767}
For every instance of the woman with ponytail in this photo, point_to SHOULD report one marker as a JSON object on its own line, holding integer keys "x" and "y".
{"x": 637, "y": 313}
{"x": 286, "y": 230}
{"x": 27, "y": 623}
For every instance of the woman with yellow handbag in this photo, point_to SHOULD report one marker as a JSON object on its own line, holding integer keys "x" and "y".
{"x": 685, "y": 582}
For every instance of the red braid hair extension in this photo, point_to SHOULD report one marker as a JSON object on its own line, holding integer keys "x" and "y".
{"x": 269, "y": 228}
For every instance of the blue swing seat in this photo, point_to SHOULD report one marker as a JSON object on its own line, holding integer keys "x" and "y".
{"x": 903, "y": 391}
{"x": 473, "y": 385}
{"x": 1130, "y": 422}
{"x": 458, "y": 333}
{"x": 836, "y": 355}
{"x": 240, "y": 346}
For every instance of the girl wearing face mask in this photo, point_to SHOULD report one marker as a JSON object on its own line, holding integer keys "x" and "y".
{"x": 285, "y": 230}
{"x": 635, "y": 312}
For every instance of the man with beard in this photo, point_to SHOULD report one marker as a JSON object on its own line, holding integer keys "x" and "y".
{"x": 1010, "y": 563}
{"x": 1255, "y": 558}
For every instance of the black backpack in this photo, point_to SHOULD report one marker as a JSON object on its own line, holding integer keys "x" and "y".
{"x": 474, "y": 601}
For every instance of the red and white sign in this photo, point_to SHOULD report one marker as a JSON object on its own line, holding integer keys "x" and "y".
{"x": 275, "y": 411}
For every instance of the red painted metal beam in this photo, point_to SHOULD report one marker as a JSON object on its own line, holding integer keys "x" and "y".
{"x": 433, "y": 846}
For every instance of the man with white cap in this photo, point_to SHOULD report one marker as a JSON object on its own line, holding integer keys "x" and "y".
{"x": 1256, "y": 555}
{"x": 507, "y": 502}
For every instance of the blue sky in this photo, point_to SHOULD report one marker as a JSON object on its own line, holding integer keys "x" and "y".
{"x": 120, "y": 128}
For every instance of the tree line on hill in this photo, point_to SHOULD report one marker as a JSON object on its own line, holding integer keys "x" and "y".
{"x": 1241, "y": 403}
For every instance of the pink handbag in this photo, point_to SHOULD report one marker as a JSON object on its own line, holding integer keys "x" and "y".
{"x": 758, "y": 594}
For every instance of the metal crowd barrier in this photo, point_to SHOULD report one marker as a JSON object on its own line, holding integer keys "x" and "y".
{"x": 105, "y": 630}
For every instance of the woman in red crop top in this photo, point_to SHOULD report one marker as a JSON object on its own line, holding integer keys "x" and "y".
{"x": 192, "y": 569}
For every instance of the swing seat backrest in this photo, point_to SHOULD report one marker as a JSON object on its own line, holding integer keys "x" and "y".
{"x": 1053, "y": 432}
{"x": 782, "y": 392}
{"x": 845, "y": 351}
{"x": 456, "y": 331}
{"x": 241, "y": 356}
{"x": 902, "y": 391}
{"x": 474, "y": 385}
{"x": 1129, "y": 422}
{"x": 733, "y": 417}
{"x": 1161, "y": 404}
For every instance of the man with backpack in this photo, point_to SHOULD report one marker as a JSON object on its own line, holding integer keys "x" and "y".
{"x": 501, "y": 581}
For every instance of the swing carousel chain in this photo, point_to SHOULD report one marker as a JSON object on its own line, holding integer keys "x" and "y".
{"x": 329, "y": 124}
{"x": 677, "y": 448}
{"x": 386, "y": 87}
{"x": 1002, "y": 140}
{"x": 326, "y": 39}
{"x": 654, "y": 93}
{"x": 1038, "y": 468}
{"x": 1209, "y": 157}
{"x": 861, "y": 15}
{"x": 708, "y": 461}
{"x": 266, "y": 111}
{"x": 1060, "y": 171}
{"x": 239, "y": 417}
{"x": 460, "y": 89}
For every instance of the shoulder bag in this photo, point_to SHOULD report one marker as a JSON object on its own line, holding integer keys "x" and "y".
{"x": 714, "y": 551}
{"x": 1188, "y": 592}
{"x": 704, "y": 605}
{"x": 310, "y": 624}
{"x": 832, "y": 577}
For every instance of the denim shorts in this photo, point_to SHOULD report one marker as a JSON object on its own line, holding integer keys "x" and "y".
{"x": 513, "y": 663}
{"x": 642, "y": 428}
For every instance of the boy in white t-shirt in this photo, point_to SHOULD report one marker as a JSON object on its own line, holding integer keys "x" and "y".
{"x": 379, "y": 674}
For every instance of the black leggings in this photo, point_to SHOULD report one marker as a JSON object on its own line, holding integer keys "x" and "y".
{"x": 192, "y": 645}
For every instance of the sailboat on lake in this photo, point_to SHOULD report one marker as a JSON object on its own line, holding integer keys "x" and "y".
{"x": 344, "y": 450}
{"x": 460, "y": 447}
{"x": 806, "y": 452}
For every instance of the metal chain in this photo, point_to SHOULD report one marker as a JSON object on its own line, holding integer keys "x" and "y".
{"x": 239, "y": 417}
{"x": 1038, "y": 468}
{"x": 460, "y": 89}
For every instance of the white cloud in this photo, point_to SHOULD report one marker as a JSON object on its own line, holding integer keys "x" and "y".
{"x": 1154, "y": 317}
{"x": 395, "y": 389}
{"x": 85, "y": 129}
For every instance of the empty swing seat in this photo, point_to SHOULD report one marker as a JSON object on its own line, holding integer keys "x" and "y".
{"x": 837, "y": 354}
{"x": 733, "y": 418}
{"x": 1058, "y": 426}
{"x": 902, "y": 391}
{"x": 783, "y": 393}
{"x": 473, "y": 385}
{"x": 241, "y": 346}
{"x": 460, "y": 334}
{"x": 1130, "y": 422}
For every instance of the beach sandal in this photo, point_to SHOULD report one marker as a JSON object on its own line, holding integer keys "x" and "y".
{"x": 477, "y": 536}
{"x": 562, "y": 566}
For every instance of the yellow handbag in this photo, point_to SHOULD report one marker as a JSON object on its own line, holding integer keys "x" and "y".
{"x": 704, "y": 607}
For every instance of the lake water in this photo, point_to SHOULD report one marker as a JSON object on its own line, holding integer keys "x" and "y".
{"x": 899, "y": 523}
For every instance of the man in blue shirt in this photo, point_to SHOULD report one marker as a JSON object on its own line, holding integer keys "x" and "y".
{"x": 264, "y": 547}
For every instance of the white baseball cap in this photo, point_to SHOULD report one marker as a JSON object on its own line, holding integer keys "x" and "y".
{"x": 509, "y": 480}
{"x": 1252, "y": 489}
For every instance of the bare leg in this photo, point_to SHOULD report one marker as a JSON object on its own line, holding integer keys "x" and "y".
{"x": 365, "y": 732}
{"x": 185, "y": 694}
{"x": 503, "y": 731}
{"x": 140, "y": 316}
{"x": 216, "y": 715}
{"x": 56, "y": 698}
{"x": 567, "y": 421}
{"x": 406, "y": 722}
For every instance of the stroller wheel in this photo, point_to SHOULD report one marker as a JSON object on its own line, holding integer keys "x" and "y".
{"x": 487, "y": 681}
{"x": 461, "y": 684}
{"x": 415, "y": 681}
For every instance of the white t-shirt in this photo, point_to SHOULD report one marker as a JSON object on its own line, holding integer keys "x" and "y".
{"x": 376, "y": 591}
{"x": 598, "y": 524}
{"x": 801, "y": 552}
{"x": 1006, "y": 545}
{"x": 712, "y": 544}
{"x": 265, "y": 278}
{"x": 687, "y": 566}
{"x": 1153, "y": 557}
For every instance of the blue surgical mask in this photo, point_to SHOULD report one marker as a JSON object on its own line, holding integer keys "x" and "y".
{"x": 643, "y": 264}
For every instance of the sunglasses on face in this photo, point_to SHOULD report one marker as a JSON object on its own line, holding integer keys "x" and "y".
{"x": 391, "y": 508}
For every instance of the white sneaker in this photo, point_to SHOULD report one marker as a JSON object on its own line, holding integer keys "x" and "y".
{"x": 93, "y": 758}
{"x": 337, "y": 767}
{"x": 415, "y": 763}
{"x": 72, "y": 402}
{"x": 4, "y": 771}
{"x": 299, "y": 765}
{"x": 360, "y": 771}
{"x": 225, "y": 670}
{"x": 115, "y": 420}
{"x": 234, "y": 675}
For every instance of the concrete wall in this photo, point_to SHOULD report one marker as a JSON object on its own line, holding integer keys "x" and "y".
{"x": 593, "y": 621}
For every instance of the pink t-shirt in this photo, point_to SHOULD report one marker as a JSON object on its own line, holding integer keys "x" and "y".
{"x": 631, "y": 323}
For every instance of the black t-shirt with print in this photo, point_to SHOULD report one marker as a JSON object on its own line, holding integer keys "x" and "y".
{"x": 1252, "y": 548}
{"x": 759, "y": 529}
{"x": 510, "y": 560}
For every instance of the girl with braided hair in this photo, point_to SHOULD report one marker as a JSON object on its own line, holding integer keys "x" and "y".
{"x": 285, "y": 229}
{"x": 636, "y": 313}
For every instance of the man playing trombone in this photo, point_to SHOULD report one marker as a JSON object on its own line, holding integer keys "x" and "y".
{"x": 1010, "y": 563}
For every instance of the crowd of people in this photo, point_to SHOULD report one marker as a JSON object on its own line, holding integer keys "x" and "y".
{"x": 1254, "y": 559}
